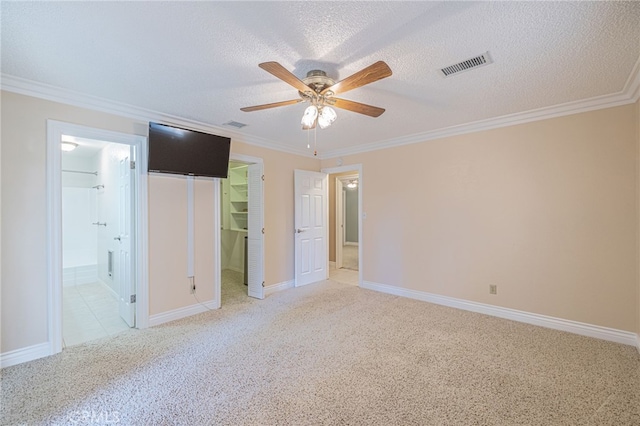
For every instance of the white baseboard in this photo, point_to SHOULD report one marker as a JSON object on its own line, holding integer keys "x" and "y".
{"x": 638, "y": 342}
{"x": 270, "y": 289}
{"x": 596, "y": 331}
{"x": 180, "y": 313}
{"x": 29, "y": 353}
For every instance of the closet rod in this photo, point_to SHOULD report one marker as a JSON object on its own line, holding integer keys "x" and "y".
{"x": 78, "y": 171}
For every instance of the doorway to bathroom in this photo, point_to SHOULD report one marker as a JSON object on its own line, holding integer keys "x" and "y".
{"x": 97, "y": 226}
{"x": 97, "y": 243}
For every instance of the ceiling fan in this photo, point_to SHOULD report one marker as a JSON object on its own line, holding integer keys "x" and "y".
{"x": 319, "y": 90}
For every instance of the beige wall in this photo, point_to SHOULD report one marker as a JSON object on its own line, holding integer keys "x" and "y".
{"x": 544, "y": 210}
{"x": 169, "y": 287}
{"x": 24, "y": 232}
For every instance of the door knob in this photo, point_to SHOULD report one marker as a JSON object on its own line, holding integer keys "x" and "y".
{"x": 299, "y": 231}
{"x": 117, "y": 238}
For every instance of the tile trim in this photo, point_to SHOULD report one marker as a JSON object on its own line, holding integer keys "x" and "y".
{"x": 583, "y": 329}
{"x": 107, "y": 288}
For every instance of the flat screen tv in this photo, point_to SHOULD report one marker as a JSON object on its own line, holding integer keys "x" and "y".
{"x": 187, "y": 152}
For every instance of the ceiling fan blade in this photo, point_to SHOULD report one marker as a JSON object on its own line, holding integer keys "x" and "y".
{"x": 285, "y": 75}
{"x": 365, "y": 109}
{"x": 367, "y": 75}
{"x": 272, "y": 105}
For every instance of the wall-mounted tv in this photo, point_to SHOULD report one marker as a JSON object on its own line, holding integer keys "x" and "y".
{"x": 187, "y": 152}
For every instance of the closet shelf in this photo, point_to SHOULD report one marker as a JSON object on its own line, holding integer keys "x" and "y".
{"x": 238, "y": 230}
{"x": 245, "y": 213}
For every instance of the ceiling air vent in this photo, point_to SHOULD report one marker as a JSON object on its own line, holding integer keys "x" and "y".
{"x": 478, "y": 61}
{"x": 234, "y": 124}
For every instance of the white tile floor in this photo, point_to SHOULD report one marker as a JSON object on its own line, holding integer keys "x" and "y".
{"x": 90, "y": 312}
{"x": 345, "y": 276}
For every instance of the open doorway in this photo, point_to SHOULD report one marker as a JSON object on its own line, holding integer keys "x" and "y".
{"x": 347, "y": 218}
{"x": 97, "y": 243}
{"x": 241, "y": 236}
{"x": 121, "y": 246}
{"x": 345, "y": 228}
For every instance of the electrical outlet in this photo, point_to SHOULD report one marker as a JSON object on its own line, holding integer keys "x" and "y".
{"x": 493, "y": 289}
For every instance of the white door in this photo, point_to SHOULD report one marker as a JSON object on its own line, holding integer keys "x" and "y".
{"x": 311, "y": 223}
{"x": 124, "y": 271}
{"x": 255, "y": 234}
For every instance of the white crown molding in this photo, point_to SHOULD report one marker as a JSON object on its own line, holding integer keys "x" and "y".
{"x": 600, "y": 102}
{"x": 27, "y": 354}
{"x": 35, "y": 89}
{"x": 629, "y": 94}
{"x": 583, "y": 329}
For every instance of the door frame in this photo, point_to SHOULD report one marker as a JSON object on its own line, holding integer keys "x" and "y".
{"x": 55, "y": 130}
{"x": 247, "y": 159}
{"x": 356, "y": 168}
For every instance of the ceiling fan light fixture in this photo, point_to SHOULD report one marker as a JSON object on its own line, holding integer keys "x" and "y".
{"x": 327, "y": 117}
{"x": 309, "y": 117}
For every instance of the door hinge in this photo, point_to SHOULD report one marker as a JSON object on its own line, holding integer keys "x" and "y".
{"x": 263, "y": 231}
{"x": 132, "y": 165}
{"x": 262, "y": 283}
{"x": 263, "y": 178}
{"x": 132, "y": 299}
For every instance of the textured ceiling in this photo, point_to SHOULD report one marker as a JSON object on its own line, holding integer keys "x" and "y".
{"x": 199, "y": 60}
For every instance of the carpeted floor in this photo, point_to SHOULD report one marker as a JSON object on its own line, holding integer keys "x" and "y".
{"x": 330, "y": 353}
{"x": 232, "y": 288}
